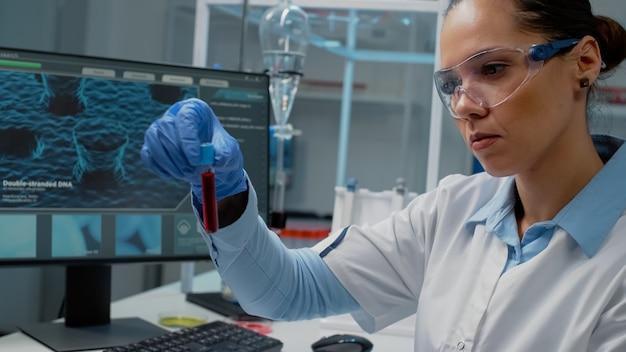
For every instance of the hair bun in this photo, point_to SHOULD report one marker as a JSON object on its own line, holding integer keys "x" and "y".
{"x": 612, "y": 41}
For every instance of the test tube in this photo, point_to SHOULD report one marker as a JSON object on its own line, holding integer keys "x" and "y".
{"x": 209, "y": 201}
{"x": 348, "y": 207}
{"x": 397, "y": 198}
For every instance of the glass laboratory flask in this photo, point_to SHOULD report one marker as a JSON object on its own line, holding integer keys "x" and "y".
{"x": 283, "y": 34}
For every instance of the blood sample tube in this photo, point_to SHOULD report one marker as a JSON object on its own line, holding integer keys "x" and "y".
{"x": 209, "y": 202}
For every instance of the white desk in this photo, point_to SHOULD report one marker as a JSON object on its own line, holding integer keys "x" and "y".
{"x": 296, "y": 336}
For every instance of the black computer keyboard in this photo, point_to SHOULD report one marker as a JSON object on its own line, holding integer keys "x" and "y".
{"x": 217, "y": 336}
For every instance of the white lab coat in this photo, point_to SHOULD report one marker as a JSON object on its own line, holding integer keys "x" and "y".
{"x": 424, "y": 259}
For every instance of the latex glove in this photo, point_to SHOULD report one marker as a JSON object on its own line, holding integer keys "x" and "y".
{"x": 172, "y": 148}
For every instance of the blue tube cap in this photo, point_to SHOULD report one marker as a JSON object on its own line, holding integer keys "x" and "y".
{"x": 207, "y": 154}
{"x": 351, "y": 185}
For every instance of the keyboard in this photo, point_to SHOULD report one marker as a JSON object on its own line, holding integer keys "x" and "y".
{"x": 216, "y": 336}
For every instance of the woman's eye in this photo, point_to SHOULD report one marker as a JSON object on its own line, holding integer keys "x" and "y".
{"x": 448, "y": 86}
{"x": 493, "y": 69}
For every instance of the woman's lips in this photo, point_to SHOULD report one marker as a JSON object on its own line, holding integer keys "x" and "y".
{"x": 482, "y": 141}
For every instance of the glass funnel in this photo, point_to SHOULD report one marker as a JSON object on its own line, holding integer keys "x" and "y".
{"x": 283, "y": 34}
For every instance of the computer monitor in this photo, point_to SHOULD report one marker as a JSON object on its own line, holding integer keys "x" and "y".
{"x": 75, "y": 191}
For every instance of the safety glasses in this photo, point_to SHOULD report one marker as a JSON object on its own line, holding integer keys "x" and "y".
{"x": 491, "y": 77}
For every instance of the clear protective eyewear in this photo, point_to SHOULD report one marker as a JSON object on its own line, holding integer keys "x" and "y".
{"x": 491, "y": 77}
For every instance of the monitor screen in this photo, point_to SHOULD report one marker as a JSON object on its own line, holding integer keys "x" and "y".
{"x": 74, "y": 189}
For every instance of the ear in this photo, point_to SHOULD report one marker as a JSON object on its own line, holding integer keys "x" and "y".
{"x": 588, "y": 59}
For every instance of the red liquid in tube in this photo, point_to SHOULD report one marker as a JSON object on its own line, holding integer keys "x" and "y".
{"x": 209, "y": 202}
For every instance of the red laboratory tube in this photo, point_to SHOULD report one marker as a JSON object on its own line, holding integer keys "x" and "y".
{"x": 209, "y": 200}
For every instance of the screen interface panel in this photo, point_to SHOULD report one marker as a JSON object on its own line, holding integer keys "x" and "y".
{"x": 74, "y": 187}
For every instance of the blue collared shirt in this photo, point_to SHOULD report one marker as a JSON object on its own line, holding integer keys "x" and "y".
{"x": 587, "y": 218}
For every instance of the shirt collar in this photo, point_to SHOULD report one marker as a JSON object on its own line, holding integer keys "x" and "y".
{"x": 588, "y": 217}
{"x": 495, "y": 210}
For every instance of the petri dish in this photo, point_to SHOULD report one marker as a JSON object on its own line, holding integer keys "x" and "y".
{"x": 256, "y": 324}
{"x": 182, "y": 319}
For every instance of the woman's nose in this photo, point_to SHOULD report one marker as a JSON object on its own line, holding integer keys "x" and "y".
{"x": 467, "y": 106}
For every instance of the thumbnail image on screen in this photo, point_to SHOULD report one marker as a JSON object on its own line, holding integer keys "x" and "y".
{"x": 137, "y": 234}
{"x": 187, "y": 235}
{"x": 18, "y": 236}
{"x": 76, "y": 235}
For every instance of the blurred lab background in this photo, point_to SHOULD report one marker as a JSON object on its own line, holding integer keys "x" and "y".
{"x": 386, "y": 53}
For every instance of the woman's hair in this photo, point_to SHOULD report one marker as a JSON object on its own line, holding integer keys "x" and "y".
{"x": 565, "y": 19}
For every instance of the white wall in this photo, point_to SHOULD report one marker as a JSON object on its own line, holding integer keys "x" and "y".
{"x": 132, "y": 30}
{"x": 29, "y": 24}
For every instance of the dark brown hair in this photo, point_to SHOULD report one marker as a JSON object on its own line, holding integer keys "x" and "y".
{"x": 565, "y": 19}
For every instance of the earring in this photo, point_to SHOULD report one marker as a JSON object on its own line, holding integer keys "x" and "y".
{"x": 584, "y": 83}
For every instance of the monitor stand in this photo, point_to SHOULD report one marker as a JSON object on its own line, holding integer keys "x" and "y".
{"x": 61, "y": 338}
{"x": 87, "y": 324}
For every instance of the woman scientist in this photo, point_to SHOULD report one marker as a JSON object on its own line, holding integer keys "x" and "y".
{"x": 527, "y": 256}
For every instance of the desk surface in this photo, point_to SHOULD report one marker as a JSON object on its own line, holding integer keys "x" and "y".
{"x": 296, "y": 336}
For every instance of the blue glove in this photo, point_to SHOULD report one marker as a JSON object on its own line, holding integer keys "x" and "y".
{"x": 172, "y": 148}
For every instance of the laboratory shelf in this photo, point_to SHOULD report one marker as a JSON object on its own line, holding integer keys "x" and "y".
{"x": 335, "y": 47}
{"x": 356, "y": 98}
{"x": 375, "y": 55}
